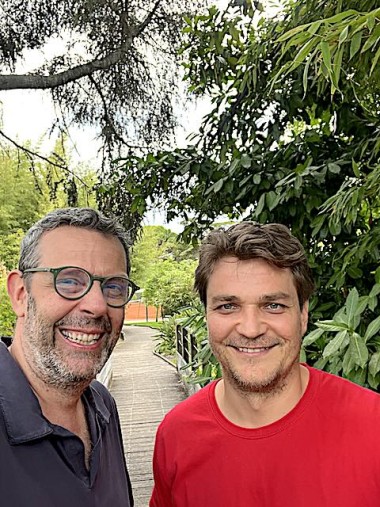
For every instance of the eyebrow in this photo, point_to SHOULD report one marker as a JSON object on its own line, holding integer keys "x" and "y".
{"x": 275, "y": 296}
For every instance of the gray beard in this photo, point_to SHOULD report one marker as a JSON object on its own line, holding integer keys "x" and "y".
{"x": 48, "y": 364}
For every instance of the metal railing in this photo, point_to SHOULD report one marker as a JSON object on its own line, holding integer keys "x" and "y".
{"x": 187, "y": 349}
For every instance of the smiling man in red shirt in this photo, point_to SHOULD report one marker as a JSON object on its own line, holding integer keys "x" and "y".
{"x": 60, "y": 439}
{"x": 272, "y": 432}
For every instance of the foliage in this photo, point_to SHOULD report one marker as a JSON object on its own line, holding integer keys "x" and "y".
{"x": 155, "y": 244}
{"x": 346, "y": 345}
{"x": 170, "y": 286}
{"x": 166, "y": 340}
{"x": 204, "y": 367}
{"x": 7, "y": 316}
{"x": 293, "y": 137}
{"x": 108, "y": 64}
{"x": 27, "y": 195}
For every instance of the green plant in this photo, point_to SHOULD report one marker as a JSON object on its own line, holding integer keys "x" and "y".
{"x": 205, "y": 367}
{"x": 348, "y": 345}
{"x": 166, "y": 338}
{"x": 7, "y": 316}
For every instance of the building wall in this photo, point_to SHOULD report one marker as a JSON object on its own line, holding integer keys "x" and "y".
{"x": 137, "y": 310}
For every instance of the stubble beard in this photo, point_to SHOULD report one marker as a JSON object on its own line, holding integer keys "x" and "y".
{"x": 267, "y": 385}
{"x": 54, "y": 367}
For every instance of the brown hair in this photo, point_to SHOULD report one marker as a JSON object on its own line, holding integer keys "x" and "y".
{"x": 273, "y": 243}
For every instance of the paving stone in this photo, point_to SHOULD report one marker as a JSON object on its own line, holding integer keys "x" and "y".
{"x": 145, "y": 388}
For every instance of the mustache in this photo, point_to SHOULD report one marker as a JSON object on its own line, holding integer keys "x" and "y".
{"x": 103, "y": 323}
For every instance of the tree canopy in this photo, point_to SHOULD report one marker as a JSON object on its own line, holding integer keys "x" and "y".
{"x": 111, "y": 64}
{"x": 293, "y": 137}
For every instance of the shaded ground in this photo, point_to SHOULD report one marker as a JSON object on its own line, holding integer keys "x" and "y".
{"x": 145, "y": 387}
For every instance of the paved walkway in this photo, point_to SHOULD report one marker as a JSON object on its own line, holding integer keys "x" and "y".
{"x": 145, "y": 387}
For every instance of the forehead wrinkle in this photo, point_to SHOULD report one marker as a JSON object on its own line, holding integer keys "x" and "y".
{"x": 275, "y": 296}
{"x": 224, "y": 297}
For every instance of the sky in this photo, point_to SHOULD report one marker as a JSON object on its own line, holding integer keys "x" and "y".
{"x": 28, "y": 115}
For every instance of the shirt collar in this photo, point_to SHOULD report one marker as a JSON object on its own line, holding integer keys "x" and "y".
{"x": 21, "y": 410}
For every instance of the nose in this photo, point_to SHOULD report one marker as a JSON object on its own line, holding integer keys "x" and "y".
{"x": 94, "y": 302}
{"x": 251, "y": 322}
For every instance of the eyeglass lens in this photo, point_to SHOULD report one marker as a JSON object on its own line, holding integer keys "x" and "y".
{"x": 71, "y": 283}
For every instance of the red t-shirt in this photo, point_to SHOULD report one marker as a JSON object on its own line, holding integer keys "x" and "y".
{"x": 325, "y": 452}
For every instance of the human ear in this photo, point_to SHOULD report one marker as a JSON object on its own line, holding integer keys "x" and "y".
{"x": 17, "y": 292}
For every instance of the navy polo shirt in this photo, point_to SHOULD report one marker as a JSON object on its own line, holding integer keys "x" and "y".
{"x": 42, "y": 464}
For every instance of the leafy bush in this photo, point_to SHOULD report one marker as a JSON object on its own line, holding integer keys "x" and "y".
{"x": 205, "y": 367}
{"x": 166, "y": 339}
{"x": 170, "y": 286}
{"x": 7, "y": 316}
{"x": 349, "y": 344}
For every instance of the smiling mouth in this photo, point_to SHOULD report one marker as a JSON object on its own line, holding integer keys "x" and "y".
{"x": 81, "y": 338}
{"x": 254, "y": 350}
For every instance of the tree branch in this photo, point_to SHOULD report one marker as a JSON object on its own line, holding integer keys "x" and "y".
{"x": 36, "y": 81}
{"x": 41, "y": 157}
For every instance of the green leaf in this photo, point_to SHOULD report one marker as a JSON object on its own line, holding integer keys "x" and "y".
{"x": 260, "y": 205}
{"x": 374, "y": 63}
{"x": 343, "y": 35}
{"x": 355, "y": 272}
{"x": 334, "y": 168}
{"x": 331, "y": 325}
{"x": 358, "y": 350}
{"x": 245, "y": 161}
{"x": 374, "y": 364}
{"x": 312, "y": 337}
{"x": 321, "y": 363}
{"x": 372, "y": 329}
{"x": 375, "y": 290}
{"x": 256, "y": 178}
{"x": 272, "y": 199}
{"x": 326, "y": 54}
{"x": 216, "y": 187}
{"x": 355, "y": 44}
{"x": 336, "y": 344}
{"x": 351, "y": 305}
{"x": 314, "y": 27}
{"x": 355, "y": 168}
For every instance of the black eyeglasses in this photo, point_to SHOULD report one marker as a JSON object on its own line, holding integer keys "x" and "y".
{"x": 73, "y": 283}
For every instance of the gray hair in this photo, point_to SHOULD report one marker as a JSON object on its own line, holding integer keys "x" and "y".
{"x": 87, "y": 218}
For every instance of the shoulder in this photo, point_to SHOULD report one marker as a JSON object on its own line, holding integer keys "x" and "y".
{"x": 347, "y": 393}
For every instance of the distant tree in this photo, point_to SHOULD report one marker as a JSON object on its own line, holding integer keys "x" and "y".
{"x": 170, "y": 286}
{"x": 154, "y": 245}
{"x": 27, "y": 193}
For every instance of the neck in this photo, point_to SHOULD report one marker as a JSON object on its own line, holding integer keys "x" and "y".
{"x": 253, "y": 409}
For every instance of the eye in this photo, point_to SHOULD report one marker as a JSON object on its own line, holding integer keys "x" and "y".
{"x": 115, "y": 287}
{"x": 226, "y": 307}
{"x": 276, "y": 307}
{"x": 70, "y": 283}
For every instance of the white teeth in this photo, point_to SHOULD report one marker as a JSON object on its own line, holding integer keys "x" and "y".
{"x": 252, "y": 351}
{"x": 84, "y": 338}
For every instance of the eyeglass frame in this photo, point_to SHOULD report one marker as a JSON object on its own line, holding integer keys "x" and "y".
{"x": 93, "y": 278}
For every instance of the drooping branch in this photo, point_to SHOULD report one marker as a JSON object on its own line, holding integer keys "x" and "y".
{"x": 40, "y": 82}
{"x": 33, "y": 154}
{"x": 36, "y": 81}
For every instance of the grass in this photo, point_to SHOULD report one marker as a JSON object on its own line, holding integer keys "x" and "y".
{"x": 152, "y": 324}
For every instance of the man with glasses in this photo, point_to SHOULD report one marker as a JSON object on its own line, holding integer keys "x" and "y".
{"x": 60, "y": 438}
